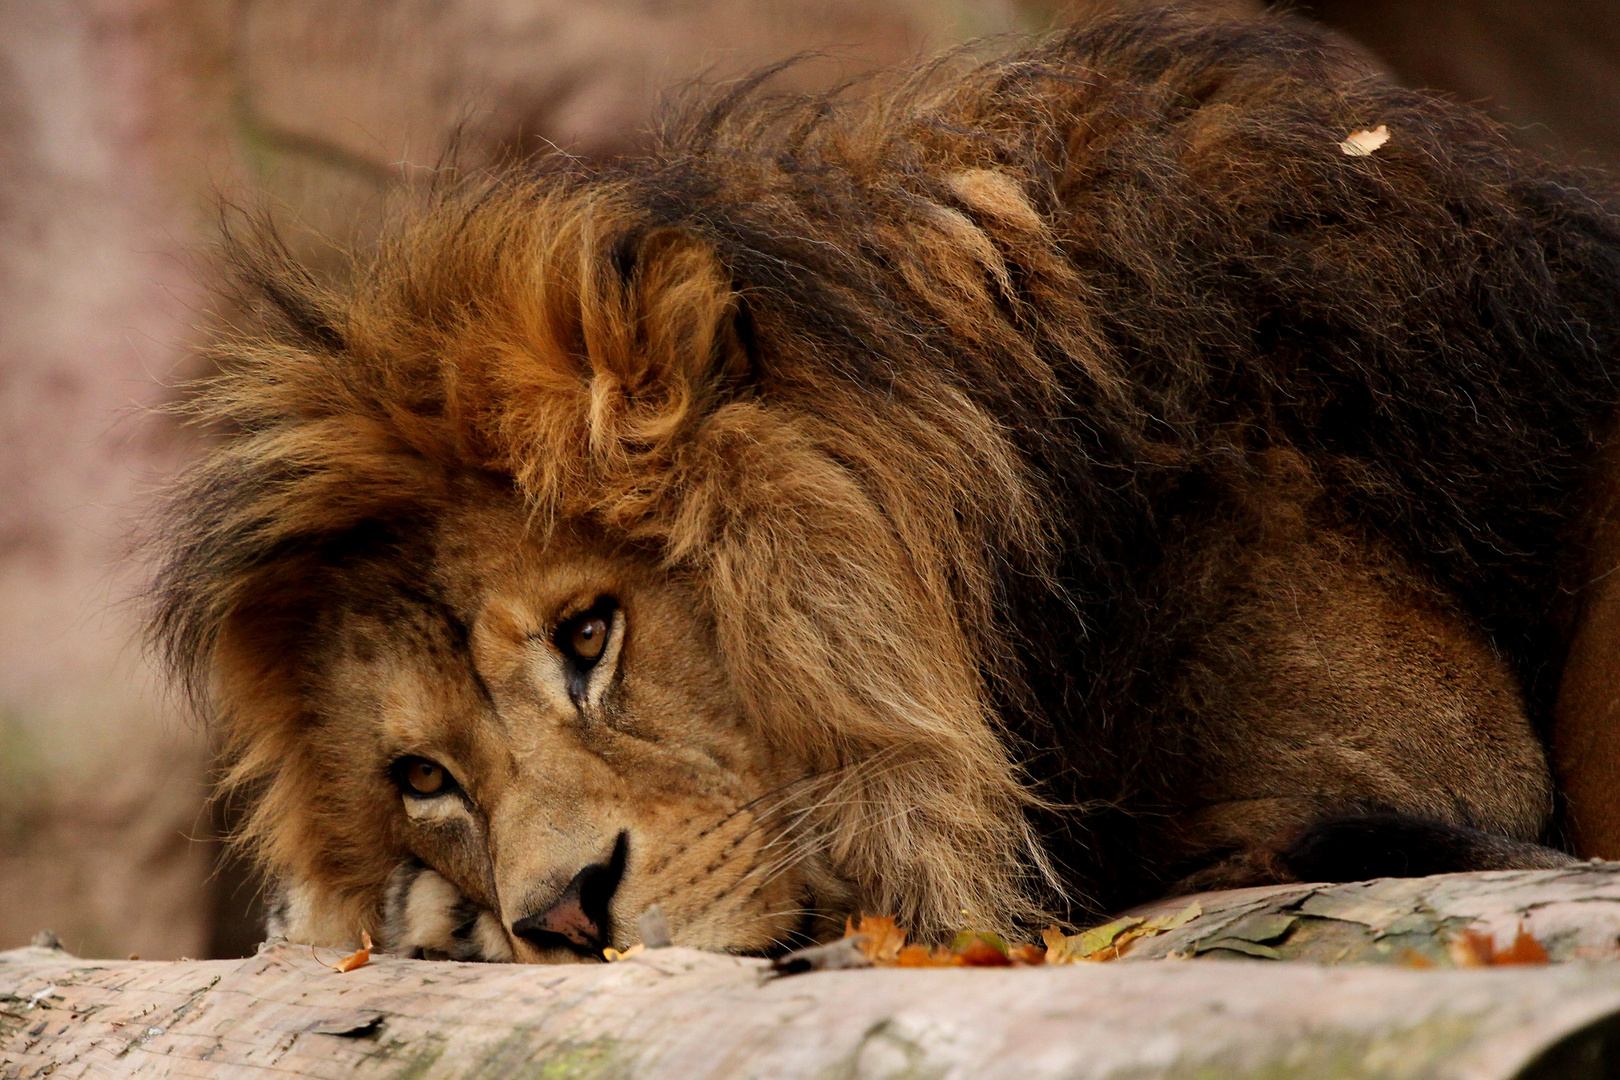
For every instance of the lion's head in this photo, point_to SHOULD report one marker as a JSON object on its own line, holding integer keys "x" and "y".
{"x": 553, "y": 558}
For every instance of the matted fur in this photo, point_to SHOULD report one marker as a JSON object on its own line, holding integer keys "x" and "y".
{"x": 996, "y": 423}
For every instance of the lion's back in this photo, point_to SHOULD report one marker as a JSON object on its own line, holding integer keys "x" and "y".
{"x": 1143, "y": 244}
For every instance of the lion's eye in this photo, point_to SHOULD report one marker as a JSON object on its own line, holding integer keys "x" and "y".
{"x": 588, "y": 638}
{"x": 584, "y": 641}
{"x": 424, "y": 777}
{"x": 420, "y": 778}
{"x": 584, "y": 638}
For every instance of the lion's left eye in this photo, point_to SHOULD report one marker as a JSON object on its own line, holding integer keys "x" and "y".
{"x": 420, "y": 778}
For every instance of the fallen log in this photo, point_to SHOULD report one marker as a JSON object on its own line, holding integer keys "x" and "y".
{"x": 1206, "y": 1008}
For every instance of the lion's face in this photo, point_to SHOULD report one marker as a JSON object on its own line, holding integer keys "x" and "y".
{"x": 548, "y": 726}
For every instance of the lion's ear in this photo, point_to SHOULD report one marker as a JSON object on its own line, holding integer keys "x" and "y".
{"x": 665, "y": 321}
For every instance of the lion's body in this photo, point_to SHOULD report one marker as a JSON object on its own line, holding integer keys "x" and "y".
{"x": 1079, "y": 469}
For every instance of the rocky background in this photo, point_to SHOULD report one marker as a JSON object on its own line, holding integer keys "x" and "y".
{"x": 125, "y": 125}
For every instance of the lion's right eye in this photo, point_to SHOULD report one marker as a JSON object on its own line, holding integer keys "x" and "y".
{"x": 588, "y": 637}
{"x": 420, "y": 778}
{"x": 587, "y": 642}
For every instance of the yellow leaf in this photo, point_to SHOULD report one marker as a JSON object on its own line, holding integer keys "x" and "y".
{"x": 1027, "y": 955}
{"x": 1111, "y": 940}
{"x": 1101, "y": 937}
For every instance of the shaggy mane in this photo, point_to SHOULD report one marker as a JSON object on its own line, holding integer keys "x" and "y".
{"x": 920, "y": 389}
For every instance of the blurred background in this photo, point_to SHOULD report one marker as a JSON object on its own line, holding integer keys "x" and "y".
{"x": 124, "y": 124}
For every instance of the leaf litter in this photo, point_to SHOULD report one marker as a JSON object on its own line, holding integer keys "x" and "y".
{"x": 876, "y": 941}
{"x": 1475, "y": 949}
{"x": 1112, "y": 940}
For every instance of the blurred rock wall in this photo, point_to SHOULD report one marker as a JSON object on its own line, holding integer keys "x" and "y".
{"x": 111, "y": 116}
{"x": 125, "y": 123}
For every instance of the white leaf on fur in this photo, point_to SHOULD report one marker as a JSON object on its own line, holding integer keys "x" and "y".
{"x": 1363, "y": 143}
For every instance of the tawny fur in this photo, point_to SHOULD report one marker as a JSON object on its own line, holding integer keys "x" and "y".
{"x": 1080, "y": 473}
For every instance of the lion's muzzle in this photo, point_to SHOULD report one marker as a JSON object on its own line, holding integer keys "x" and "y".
{"x": 580, "y": 918}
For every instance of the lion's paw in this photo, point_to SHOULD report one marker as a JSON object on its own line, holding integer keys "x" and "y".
{"x": 427, "y": 918}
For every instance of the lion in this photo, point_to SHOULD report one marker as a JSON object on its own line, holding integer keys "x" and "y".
{"x": 1043, "y": 484}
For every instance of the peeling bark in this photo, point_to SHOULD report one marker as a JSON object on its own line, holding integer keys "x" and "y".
{"x": 680, "y": 1014}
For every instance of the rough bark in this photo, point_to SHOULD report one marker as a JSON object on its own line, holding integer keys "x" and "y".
{"x": 1574, "y": 914}
{"x": 683, "y": 1014}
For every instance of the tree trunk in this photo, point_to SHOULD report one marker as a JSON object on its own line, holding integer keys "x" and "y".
{"x": 681, "y": 1014}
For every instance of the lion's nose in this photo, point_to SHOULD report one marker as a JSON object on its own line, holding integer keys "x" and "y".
{"x": 580, "y": 919}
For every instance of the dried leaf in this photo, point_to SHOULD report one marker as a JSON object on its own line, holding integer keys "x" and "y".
{"x": 1061, "y": 948}
{"x": 1524, "y": 950}
{"x": 358, "y": 958}
{"x": 1476, "y": 949}
{"x": 1028, "y": 955}
{"x": 920, "y": 956}
{"x": 982, "y": 952}
{"x": 1472, "y": 949}
{"x": 966, "y": 939}
{"x": 1101, "y": 937}
{"x": 1112, "y": 940}
{"x": 881, "y": 940}
{"x": 1363, "y": 143}
{"x": 877, "y": 942}
{"x": 1164, "y": 924}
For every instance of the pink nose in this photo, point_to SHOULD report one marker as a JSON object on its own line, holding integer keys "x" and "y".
{"x": 567, "y": 917}
{"x": 580, "y": 918}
